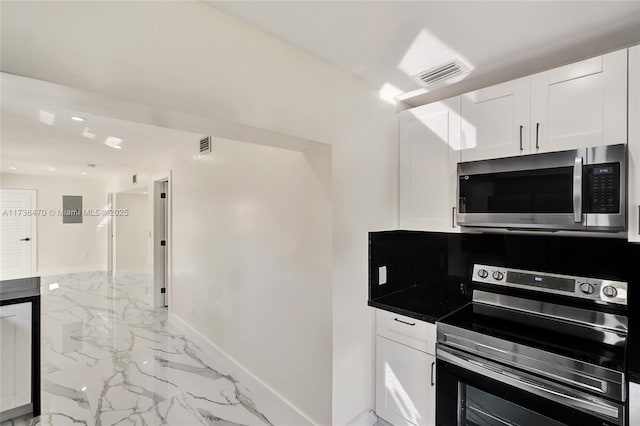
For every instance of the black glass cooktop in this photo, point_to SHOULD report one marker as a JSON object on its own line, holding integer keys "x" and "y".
{"x": 562, "y": 338}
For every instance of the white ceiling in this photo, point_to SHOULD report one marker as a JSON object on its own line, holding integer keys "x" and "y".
{"x": 387, "y": 41}
{"x": 380, "y": 42}
{"x": 29, "y": 146}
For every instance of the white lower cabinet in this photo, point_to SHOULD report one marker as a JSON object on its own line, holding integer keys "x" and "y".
{"x": 634, "y": 404}
{"x": 405, "y": 379}
{"x": 15, "y": 356}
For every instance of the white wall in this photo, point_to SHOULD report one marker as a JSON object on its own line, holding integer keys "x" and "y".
{"x": 188, "y": 57}
{"x": 251, "y": 249}
{"x": 132, "y": 232}
{"x": 71, "y": 247}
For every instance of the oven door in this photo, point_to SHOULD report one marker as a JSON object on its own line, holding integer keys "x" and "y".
{"x": 475, "y": 391}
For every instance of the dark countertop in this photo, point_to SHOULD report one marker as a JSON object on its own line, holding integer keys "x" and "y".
{"x": 634, "y": 377}
{"x": 19, "y": 288}
{"x": 419, "y": 303}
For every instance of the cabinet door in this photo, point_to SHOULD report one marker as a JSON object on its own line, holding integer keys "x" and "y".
{"x": 495, "y": 121}
{"x": 429, "y": 145}
{"x": 634, "y": 404}
{"x": 634, "y": 144}
{"x": 580, "y": 105}
{"x": 15, "y": 356}
{"x": 405, "y": 385}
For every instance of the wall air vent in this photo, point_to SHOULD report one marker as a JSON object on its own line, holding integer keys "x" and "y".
{"x": 205, "y": 145}
{"x": 438, "y": 75}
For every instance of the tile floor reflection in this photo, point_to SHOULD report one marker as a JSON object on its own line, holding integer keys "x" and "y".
{"x": 109, "y": 359}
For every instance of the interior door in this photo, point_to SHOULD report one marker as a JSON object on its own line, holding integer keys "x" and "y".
{"x": 17, "y": 233}
{"x": 164, "y": 240}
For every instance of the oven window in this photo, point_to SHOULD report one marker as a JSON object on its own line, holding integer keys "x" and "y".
{"x": 479, "y": 408}
{"x": 528, "y": 191}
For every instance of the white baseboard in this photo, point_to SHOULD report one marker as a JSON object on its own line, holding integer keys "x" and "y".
{"x": 366, "y": 418}
{"x": 278, "y": 409}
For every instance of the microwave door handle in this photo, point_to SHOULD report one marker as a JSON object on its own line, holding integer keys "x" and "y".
{"x": 577, "y": 190}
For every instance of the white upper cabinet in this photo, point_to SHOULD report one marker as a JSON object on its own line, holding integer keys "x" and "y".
{"x": 495, "y": 121}
{"x": 574, "y": 106}
{"x": 580, "y": 105}
{"x": 429, "y": 144}
{"x": 634, "y": 145}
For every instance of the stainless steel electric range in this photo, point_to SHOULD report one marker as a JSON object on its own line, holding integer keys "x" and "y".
{"x": 551, "y": 351}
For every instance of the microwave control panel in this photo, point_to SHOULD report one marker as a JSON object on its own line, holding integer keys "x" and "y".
{"x": 603, "y": 188}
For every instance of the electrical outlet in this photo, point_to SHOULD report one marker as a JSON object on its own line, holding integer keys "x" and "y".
{"x": 382, "y": 275}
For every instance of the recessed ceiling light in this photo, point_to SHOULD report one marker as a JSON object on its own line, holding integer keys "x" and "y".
{"x": 87, "y": 134}
{"x": 11, "y": 168}
{"x": 77, "y": 118}
{"x": 113, "y": 142}
{"x": 83, "y": 173}
{"x": 46, "y": 117}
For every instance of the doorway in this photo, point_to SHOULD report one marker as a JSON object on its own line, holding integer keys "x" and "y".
{"x": 18, "y": 248}
{"x": 132, "y": 243}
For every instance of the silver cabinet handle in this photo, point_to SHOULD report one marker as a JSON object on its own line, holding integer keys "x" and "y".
{"x": 404, "y": 322}
{"x": 433, "y": 364}
{"x": 521, "y": 127}
{"x": 453, "y": 217}
{"x": 577, "y": 190}
{"x": 537, "y": 131}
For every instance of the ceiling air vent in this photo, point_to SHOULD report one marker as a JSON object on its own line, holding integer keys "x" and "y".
{"x": 205, "y": 145}
{"x": 440, "y": 74}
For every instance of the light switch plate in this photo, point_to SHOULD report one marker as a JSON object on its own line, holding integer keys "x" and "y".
{"x": 382, "y": 275}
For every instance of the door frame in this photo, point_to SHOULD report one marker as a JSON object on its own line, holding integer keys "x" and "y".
{"x": 33, "y": 198}
{"x": 162, "y": 270}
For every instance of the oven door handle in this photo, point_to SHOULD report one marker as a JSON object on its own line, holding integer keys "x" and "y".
{"x": 513, "y": 378}
{"x": 577, "y": 190}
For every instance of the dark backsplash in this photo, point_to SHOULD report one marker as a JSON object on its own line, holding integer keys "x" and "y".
{"x": 440, "y": 263}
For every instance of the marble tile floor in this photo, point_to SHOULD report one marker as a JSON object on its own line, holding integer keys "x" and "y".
{"x": 108, "y": 358}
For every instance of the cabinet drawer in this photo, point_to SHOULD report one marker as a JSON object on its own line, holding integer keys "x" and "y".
{"x": 408, "y": 331}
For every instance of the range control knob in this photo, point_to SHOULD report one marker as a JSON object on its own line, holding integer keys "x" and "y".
{"x": 610, "y": 291}
{"x": 482, "y": 273}
{"x": 586, "y": 288}
{"x": 497, "y": 275}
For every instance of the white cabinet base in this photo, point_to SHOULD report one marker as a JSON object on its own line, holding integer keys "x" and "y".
{"x": 405, "y": 384}
{"x": 15, "y": 358}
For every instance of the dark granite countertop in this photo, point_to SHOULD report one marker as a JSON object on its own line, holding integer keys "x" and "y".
{"x": 419, "y": 303}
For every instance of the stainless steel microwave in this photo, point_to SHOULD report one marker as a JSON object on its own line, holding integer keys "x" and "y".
{"x": 583, "y": 189}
